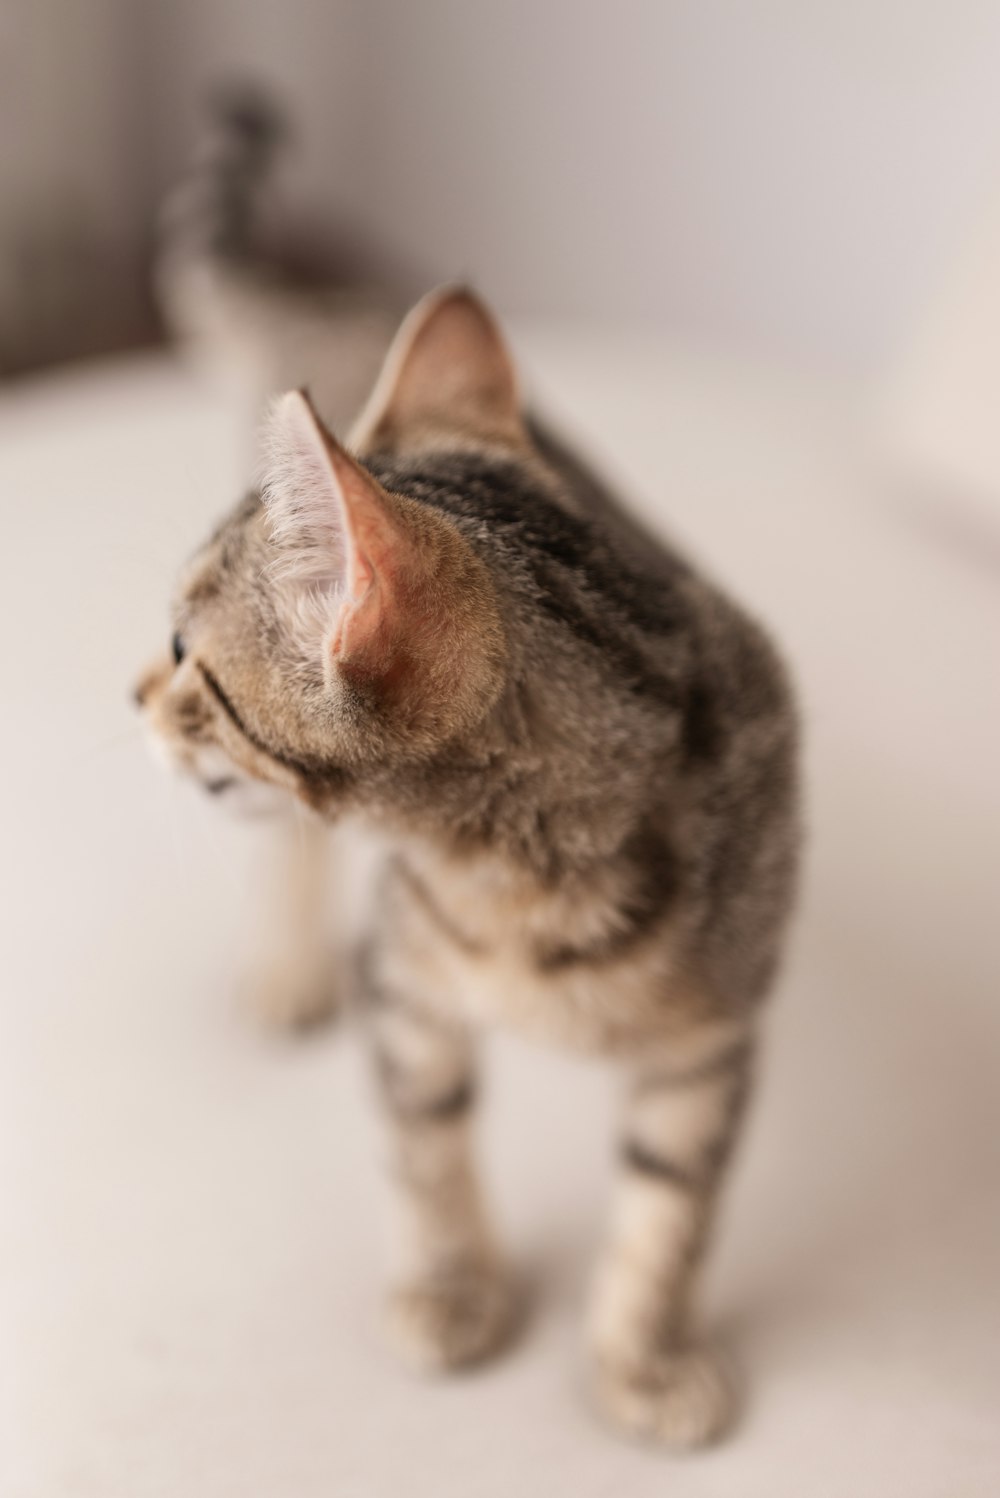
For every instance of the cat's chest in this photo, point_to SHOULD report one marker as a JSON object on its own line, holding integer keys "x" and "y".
{"x": 492, "y": 946}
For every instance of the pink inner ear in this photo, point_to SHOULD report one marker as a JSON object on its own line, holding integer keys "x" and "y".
{"x": 365, "y": 634}
{"x": 343, "y": 537}
{"x": 448, "y": 367}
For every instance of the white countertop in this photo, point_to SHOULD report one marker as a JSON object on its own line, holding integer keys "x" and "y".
{"x": 188, "y": 1206}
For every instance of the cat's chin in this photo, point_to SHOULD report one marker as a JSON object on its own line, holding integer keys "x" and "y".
{"x": 217, "y": 777}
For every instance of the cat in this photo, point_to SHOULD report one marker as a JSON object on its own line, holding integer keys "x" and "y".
{"x": 581, "y": 759}
{"x": 264, "y": 298}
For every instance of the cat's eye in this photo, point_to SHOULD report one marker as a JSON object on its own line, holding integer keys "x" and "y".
{"x": 177, "y": 649}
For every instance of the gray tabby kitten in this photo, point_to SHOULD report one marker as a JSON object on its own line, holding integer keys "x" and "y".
{"x": 582, "y": 759}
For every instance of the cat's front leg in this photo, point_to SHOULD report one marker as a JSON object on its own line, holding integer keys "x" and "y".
{"x": 450, "y": 1303}
{"x": 653, "y": 1378}
{"x": 292, "y": 982}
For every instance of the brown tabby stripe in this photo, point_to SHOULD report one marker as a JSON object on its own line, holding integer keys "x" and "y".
{"x": 445, "y": 925}
{"x": 637, "y": 1157}
{"x": 638, "y": 915}
{"x": 732, "y": 1058}
{"x": 446, "y": 1106}
{"x": 714, "y": 1155}
{"x": 315, "y": 771}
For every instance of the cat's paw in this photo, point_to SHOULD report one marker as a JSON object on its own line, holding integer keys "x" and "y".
{"x": 293, "y": 995}
{"x": 681, "y": 1400}
{"x": 438, "y": 1325}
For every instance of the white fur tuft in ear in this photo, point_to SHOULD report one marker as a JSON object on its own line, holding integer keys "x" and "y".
{"x": 303, "y": 498}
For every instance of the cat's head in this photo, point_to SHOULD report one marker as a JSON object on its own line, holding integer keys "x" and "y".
{"x": 331, "y": 628}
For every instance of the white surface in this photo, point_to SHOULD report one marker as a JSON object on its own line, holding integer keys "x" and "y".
{"x": 188, "y": 1276}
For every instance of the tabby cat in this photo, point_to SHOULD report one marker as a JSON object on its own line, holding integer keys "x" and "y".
{"x": 257, "y": 293}
{"x": 582, "y": 759}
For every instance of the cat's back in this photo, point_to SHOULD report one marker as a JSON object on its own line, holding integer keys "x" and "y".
{"x": 731, "y": 800}
{"x": 651, "y": 703}
{"x": 590, "y": 493}
{"x": 735, "y": 671}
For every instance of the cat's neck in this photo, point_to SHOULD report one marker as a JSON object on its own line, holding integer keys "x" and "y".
{"x": 511, "y": 799}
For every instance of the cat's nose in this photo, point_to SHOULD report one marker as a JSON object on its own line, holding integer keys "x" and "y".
{"x": 143, "y": 687}
{"x": 155, "y": 676}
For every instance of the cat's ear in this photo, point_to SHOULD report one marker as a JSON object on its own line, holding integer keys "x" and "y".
{"x": 338, "y": 534}
{"x": 448, "y": 370}
{"x": 390, "y": 588}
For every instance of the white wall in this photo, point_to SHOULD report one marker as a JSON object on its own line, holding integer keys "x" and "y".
{"x": 788, "y": 175}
